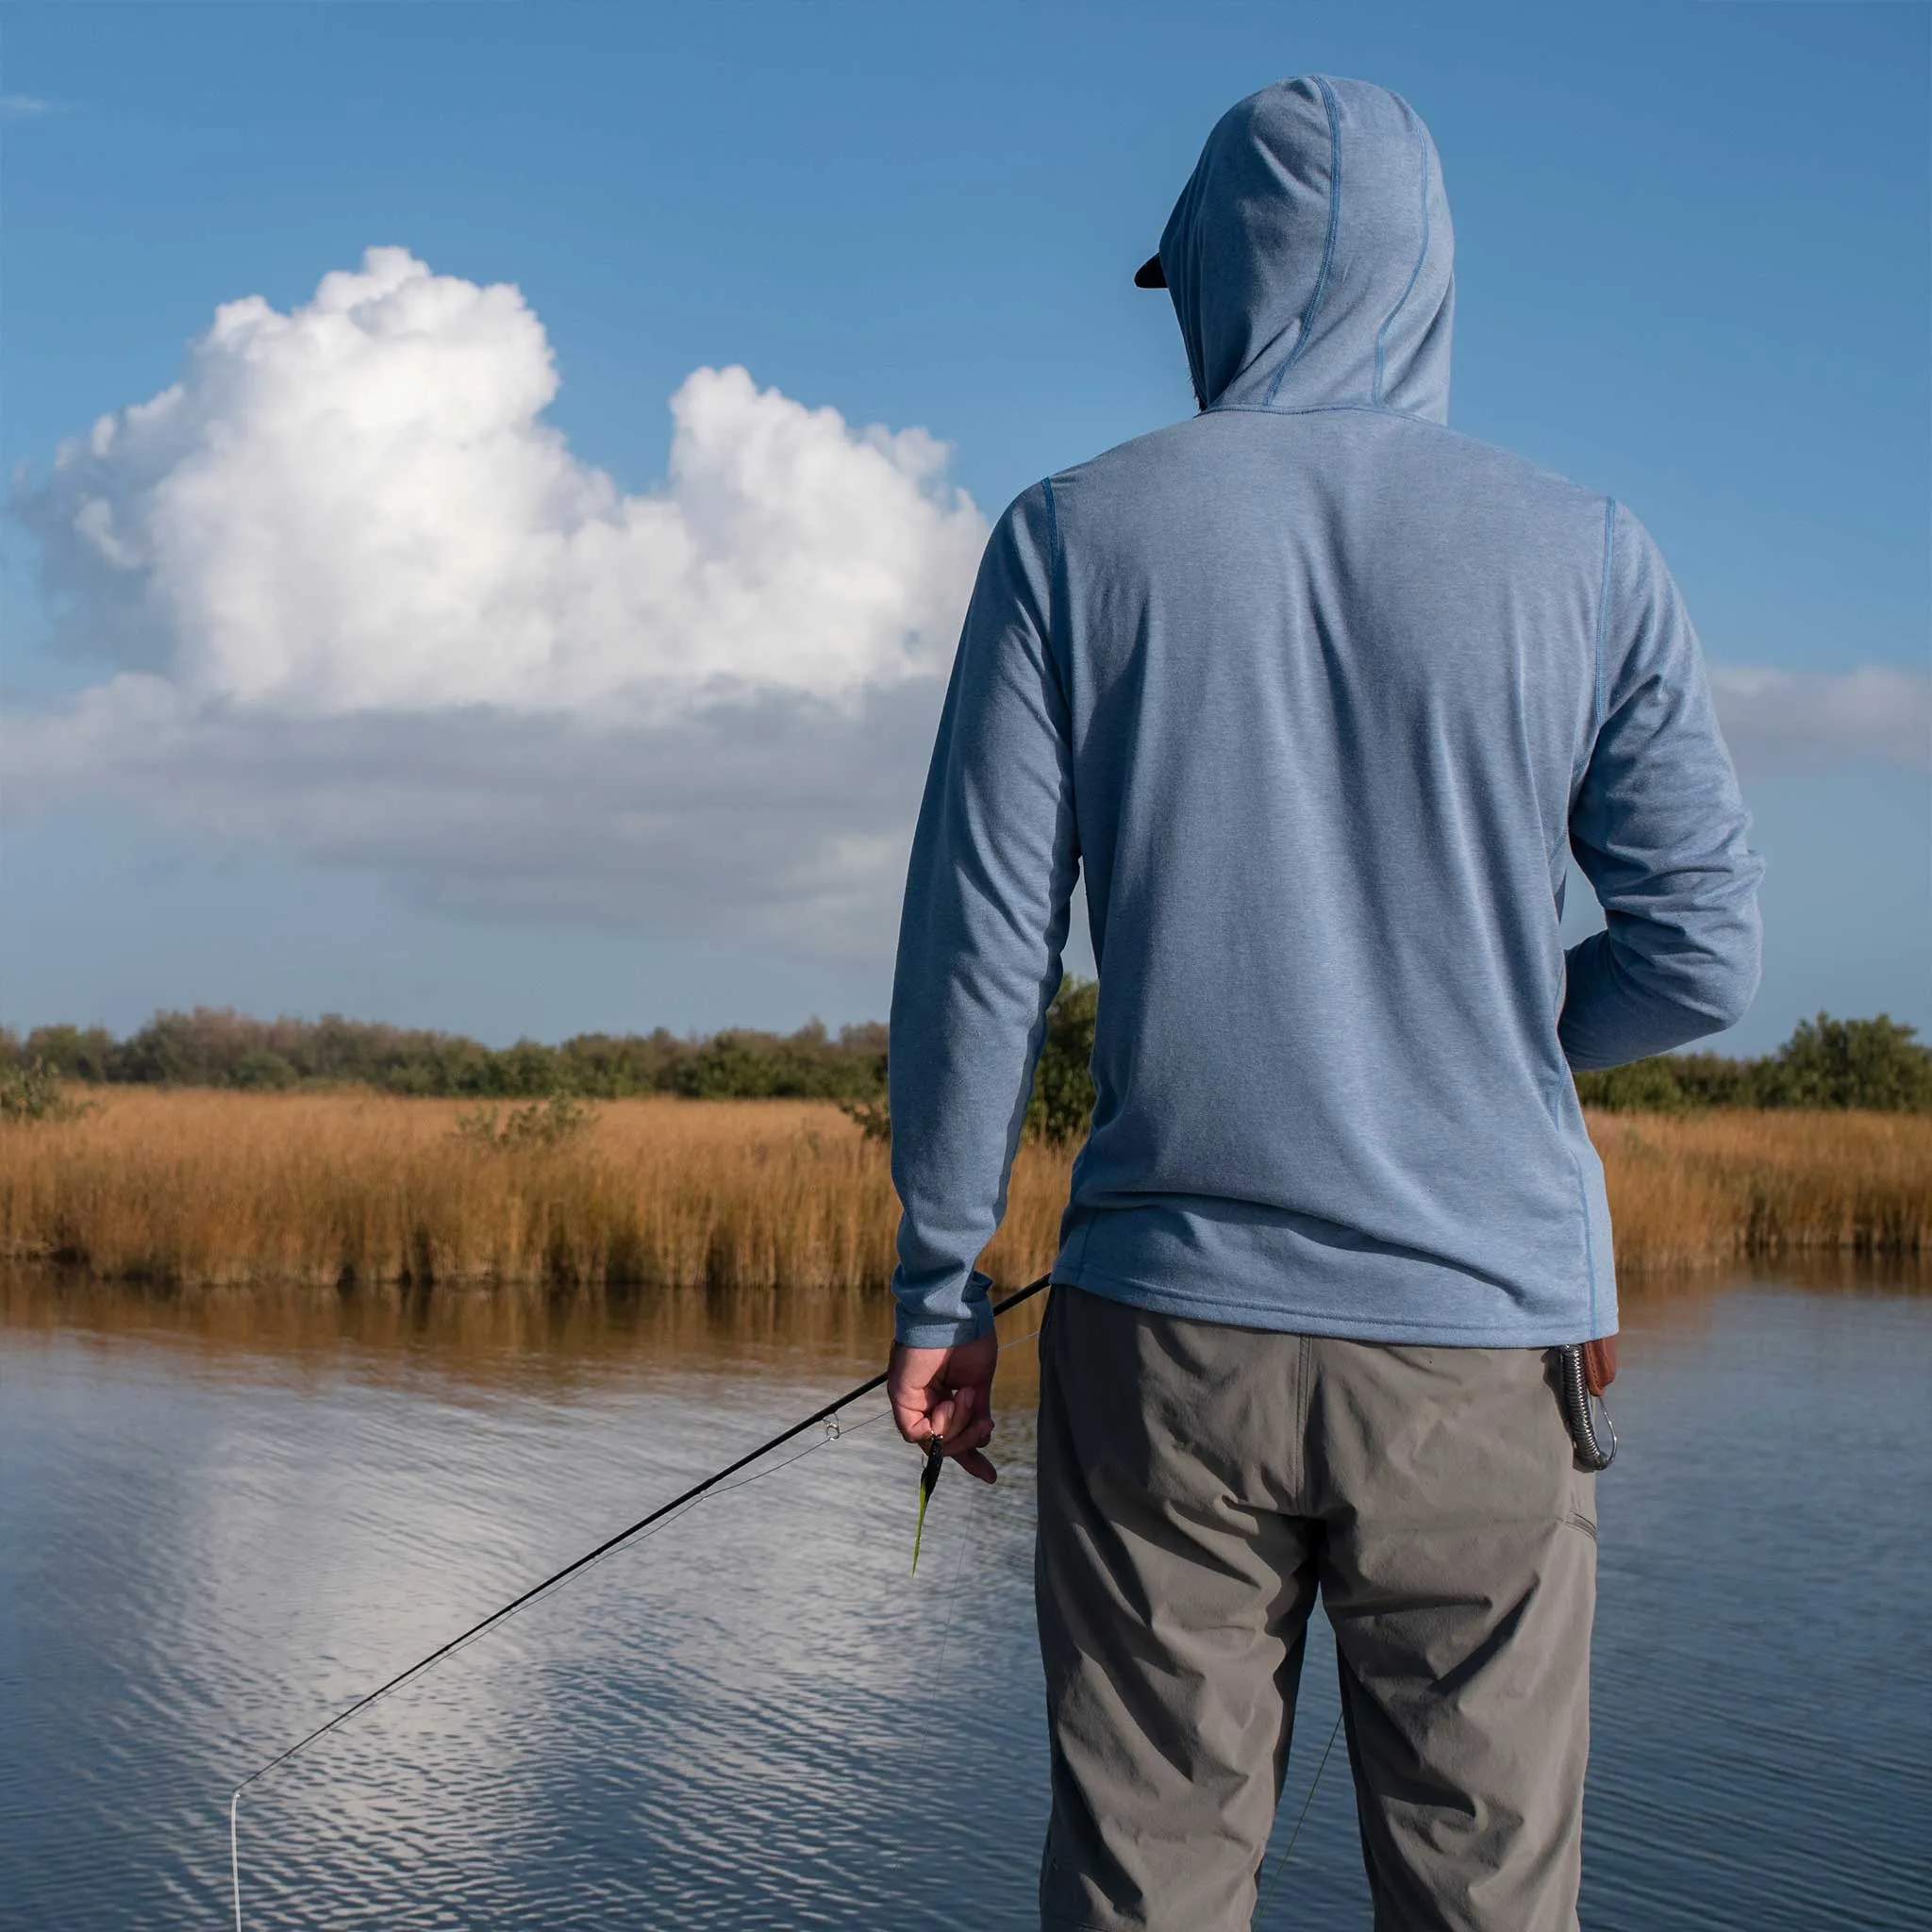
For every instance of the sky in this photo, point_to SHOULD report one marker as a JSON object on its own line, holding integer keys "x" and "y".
{"x": 493, "y": 488}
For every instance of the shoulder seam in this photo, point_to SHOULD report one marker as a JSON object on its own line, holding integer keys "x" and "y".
{"x": 1055, "y": 569}
{"x": 1603, "y": 619}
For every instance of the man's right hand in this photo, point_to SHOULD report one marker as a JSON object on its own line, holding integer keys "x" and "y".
{"x": 946, "y": 1392}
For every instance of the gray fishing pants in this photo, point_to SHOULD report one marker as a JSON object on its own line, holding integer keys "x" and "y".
{"x": 1198, "y": 1483}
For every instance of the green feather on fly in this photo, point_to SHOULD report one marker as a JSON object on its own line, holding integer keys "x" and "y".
{"x": 928, "y": 1482}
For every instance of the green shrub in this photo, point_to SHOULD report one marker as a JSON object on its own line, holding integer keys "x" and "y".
{"x": 257, "y": 1067}
{"x": 1839, "y": 1063}
{"x": 33, "y": 1092}
{"x": 1062, "y": 1103}
{"x": 543, "y": 1124}
{"x": 874, "y": 1118}
{"x": 1642, "y": 1085}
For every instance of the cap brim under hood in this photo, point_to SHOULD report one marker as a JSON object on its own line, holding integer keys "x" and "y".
{"x": 1310, "y": 256}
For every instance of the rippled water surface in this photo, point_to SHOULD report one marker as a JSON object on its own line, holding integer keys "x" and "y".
{"x": 220, "y": 1521}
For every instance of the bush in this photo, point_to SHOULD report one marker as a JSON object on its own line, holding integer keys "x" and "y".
{"x": 1874, "y": 1064}
{"x": 33, "y": 1092}
{"x": 1062, "y": 1103}
{"x": 1839, "y": 1063}
{"x": 66, "y": 1051}
{"x": 1642, "y": 1085}
{"x": 872, "y": 1118}
{"x": 257, "y": 1067}
{"x": 1710, "y": 1079}
{"x": 546, "y": 1124}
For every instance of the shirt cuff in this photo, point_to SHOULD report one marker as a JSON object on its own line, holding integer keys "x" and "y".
{"x": 923, "y": 1326}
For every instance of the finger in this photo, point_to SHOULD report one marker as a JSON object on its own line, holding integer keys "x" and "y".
{"x": 974, "y": 1436}
{"x": 909, "y": 1416}
{"x": 976, "y": 1465}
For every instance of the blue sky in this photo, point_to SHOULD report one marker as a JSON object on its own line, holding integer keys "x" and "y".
{"x": 1692, "y": 271}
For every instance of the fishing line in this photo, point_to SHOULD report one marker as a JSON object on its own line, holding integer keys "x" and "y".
{"x": 959, "y": 1568}
{"x": 825, "y": 1441}
{"x": 1281, "y": 1863}
{"x": 660, "y": 1518}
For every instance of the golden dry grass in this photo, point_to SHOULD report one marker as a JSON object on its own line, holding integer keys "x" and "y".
{"x": 1713, "y": 1189}
{"x": 208, "y": 1188}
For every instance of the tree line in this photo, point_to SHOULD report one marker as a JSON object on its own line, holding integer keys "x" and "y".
{"x": 218, "y": 1047}
{"x": 1825, "y": 1063}
{"x": 1875, "y": 1063}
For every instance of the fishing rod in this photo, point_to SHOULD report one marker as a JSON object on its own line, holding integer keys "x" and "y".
{"x": 530, "y": 1596}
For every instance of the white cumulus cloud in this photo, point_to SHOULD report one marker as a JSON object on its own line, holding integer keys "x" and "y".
{"x": 358, "y": 507}
{"x": 355, "y": 592}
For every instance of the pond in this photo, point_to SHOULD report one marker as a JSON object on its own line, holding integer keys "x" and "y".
{"x": 221, "y": 1520}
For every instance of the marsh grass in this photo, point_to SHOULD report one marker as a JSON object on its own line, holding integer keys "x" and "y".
{"x": 354, "y": 1190}
{"x": 1715, "y": 1187}
{"x": 351, "y": 1189}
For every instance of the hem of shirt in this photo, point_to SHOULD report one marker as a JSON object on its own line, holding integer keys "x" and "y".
{"x": 1277, "y": 1316}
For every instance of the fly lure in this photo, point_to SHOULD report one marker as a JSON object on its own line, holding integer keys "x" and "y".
{"x": 928, "y": 1482}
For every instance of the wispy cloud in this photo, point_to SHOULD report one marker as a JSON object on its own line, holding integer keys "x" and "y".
{"x": 31, "y": 108}
{"x": 358, "y": 593}
{"x": 1806, "y": 721}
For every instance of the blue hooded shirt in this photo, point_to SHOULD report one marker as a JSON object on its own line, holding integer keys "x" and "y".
{"x": 1317, "y": 694}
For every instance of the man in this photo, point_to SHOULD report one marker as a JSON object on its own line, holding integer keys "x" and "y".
{"x": 1316, "y": 694}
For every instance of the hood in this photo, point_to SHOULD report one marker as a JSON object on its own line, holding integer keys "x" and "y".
{"x": 1310, "y": 256}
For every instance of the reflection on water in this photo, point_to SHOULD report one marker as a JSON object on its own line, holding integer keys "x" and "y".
{"x": 220, "y": 1519}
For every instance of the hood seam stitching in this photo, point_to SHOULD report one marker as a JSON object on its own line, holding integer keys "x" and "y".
{"x": 1329, "y": 249}
{"x": 1414, "y": 275}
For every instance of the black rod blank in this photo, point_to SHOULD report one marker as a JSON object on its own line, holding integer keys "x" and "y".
{"x": 569, "y": 1569}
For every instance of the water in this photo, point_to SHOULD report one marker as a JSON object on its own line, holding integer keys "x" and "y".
{"x": 220, "y": 1521}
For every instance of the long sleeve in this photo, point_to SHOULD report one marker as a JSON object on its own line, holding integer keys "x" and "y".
{"x": 992, "y": 874}
{"x": 1659, "y": 829}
